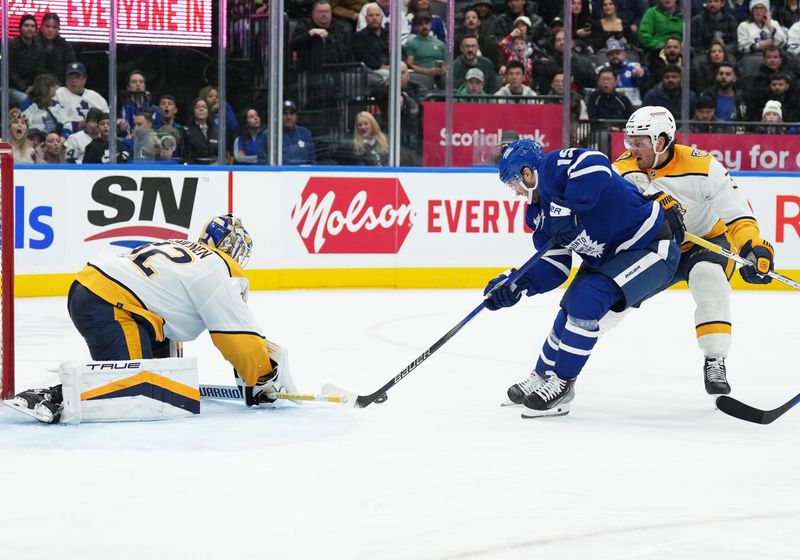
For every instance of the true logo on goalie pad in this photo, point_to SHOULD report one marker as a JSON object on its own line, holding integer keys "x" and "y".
{"x": 105, "y": 366}
{"x": 149, "y": 389}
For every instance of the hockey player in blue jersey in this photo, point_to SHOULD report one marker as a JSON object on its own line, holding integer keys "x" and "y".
{"x": 627, "y": 243}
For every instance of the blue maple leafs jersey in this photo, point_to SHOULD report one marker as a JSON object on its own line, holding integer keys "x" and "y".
{"x": 612, "y": 212}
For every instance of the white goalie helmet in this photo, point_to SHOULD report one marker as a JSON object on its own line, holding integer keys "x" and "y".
{"x": 651, "y": 121}
{"x": 227, "y": 234}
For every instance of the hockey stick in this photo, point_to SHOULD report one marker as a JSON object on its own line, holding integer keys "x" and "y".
{"x": 363, "y": 401}
{"x": 232, "y": 393}
{"x": 737, "y": 258}
{"x": 738, "y": 409}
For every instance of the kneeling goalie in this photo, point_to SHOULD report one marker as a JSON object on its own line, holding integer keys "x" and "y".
{"x": 132, "y": 307}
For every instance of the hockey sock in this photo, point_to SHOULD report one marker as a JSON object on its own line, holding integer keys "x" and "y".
{"x": 577, "y": 342}
{"x": 547, "y": 358}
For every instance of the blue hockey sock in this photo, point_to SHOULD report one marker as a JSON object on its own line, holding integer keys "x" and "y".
{"x": 577, "y": 342}
{"x": 547, "y": 358}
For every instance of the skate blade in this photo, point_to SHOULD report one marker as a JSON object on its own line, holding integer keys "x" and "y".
{"x": 508, "y": 402}
{"x": 560, "y": 410}
{"x": 20, "y": 406}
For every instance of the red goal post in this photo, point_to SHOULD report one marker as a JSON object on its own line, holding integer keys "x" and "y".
{"x": 7, "y": 271}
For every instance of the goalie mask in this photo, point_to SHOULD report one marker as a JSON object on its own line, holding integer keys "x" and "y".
{"x": 227, "y": 234}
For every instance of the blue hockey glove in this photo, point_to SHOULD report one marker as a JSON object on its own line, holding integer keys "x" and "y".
{"x": 564, "y": 225}
{"x": 673, "y": 212}
{"x": 505, "y": 295}
{"x": 762, "y": 255}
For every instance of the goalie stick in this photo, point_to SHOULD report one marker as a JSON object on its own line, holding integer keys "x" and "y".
{"x": 738, "y": 409}
{"x": 737, "y": 258}
{"x": 363, "y": 401}
{"x": 232, "y": 393}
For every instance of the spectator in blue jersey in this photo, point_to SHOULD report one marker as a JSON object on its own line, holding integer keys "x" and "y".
{"x": 137, "y": 99}
{"x": 630, "y": 75}
{"x": 629, "y": 245}
{"x": 730, "y": 105}
{"x": 298, "y": 145}
{"x": 251, "y": 145}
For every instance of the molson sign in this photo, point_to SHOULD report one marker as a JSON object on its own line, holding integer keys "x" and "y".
{"x": 478, "y": 128}
{"x": 349, "y": 215}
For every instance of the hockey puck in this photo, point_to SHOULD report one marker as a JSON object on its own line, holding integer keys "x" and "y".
{"x": 381, "y": 398}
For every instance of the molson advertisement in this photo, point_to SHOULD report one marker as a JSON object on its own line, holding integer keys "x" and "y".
{"x": 314, "y": 228}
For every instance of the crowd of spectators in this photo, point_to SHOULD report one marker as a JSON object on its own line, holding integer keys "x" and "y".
{"x": 744, "y": 67}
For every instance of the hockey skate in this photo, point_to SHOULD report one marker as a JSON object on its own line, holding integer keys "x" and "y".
{"x": 715, "y": 377}
{"x": 43, "y": 404}
{"x": 518, "y": 391}
{"x": 552, "y": 398}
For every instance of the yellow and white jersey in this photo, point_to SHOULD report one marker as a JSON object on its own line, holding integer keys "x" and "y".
{"x": 183, "y": 288}
{"x": 713, "y": 202}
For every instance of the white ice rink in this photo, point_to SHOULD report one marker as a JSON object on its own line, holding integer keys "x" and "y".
{"x": 643, "y": 466}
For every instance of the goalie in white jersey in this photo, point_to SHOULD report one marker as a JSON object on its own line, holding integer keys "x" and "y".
{"x": 715, "y": 210}
{"x": 130, "y": 306}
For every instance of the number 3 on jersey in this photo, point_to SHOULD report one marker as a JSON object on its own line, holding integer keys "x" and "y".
{"x": 141, "y": 255}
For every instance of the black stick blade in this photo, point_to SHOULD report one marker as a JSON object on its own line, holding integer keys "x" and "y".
{"x": 738, "y": 409}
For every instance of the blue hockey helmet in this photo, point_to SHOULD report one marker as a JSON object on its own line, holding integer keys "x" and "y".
{"x": 227, "y": 234}
{"x": 518, "y": 155}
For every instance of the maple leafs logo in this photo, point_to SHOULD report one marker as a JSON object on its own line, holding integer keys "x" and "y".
{"x": 585, "y": 245}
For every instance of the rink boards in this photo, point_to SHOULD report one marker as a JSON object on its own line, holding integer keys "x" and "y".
{"x": 313, "y": 227}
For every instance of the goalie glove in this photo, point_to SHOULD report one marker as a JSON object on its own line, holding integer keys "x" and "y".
{"x": 761, "y": 254}
{"x": 673, "y": 213}
{"x": 265, "y": 390}
{"x": 500, "y": 294}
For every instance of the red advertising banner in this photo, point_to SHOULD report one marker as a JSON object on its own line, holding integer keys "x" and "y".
{"x": 351, "y": 215}
{"x": 478, "y": 128}
{"x": 739, "y": 152}
{"x": 146, "y": 22}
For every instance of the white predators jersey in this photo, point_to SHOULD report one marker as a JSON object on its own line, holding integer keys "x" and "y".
{"x": 713, "y": 202}
{"x": 183, "y": 288}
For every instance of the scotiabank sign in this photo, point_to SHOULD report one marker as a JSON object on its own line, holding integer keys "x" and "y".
{"x": 349, "y": 215}
{"x": 739, "y": 152}
{"x": 478, "y": 128}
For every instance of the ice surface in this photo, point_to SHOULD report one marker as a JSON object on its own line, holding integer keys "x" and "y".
{"x": 643, "y": 466}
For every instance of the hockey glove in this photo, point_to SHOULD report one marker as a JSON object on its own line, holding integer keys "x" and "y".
{"x": 265, "y": 390}
{"x": 761, "y": 254}
{"x": 673, "y": 212}
{"x": 564, "y": 225}
{"x": 504, "y": 294}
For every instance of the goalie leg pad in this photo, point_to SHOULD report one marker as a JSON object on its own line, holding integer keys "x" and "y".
{"x": 712, "y": 317}
{"x": 152, "y": 389}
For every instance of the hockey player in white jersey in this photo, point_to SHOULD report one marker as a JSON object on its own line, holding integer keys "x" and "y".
{"x": 716, "y": 210}
{"x": 131, "y": 306}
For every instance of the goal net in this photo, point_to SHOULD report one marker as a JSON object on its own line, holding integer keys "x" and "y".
{"x": 6, "y": 271}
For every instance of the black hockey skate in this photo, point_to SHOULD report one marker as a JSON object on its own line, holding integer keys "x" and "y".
{"x": 518, "y": 391}
{"x": 44, "y": 404}
{"x": 551, "y": 398}
{"x": 715, "y": 376}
